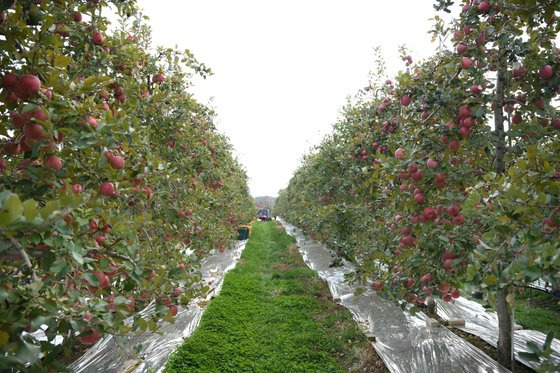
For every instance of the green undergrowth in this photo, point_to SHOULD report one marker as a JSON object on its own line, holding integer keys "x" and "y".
{"x": 538, "y": 310}
{"x": 274, "y": 315}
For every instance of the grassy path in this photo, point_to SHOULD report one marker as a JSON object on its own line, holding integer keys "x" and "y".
{"x": 274, "y": 315}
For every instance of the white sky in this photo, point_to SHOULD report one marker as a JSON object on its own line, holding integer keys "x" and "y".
{"x": 283, "y": 69}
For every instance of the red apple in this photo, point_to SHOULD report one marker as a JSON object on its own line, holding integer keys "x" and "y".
{"x": 458, "y": 219}
{"x": 148, "y": 191}
{"x": 484, "y": 6}
{"x": 77, "y": 16}
{"x": 430, "y": 213}
{"x": 377, "y": 285}
{"x": 455, "y": 293}
{"x": 431, "y": 163}
{"x": 546, "y": 72}
{"x": 158, "y": 78}
{"x": 27, "y": 86}
{"x": 462, "y": 48}
{"x": 399, "y": 153}
{"x": 405, "y": 100}
{"x": 12, "y": 148}
{"x": 444, "y": 288}
{"x": 9, "y": 81}
{"x": 173, "y": 310}
{"x": 464, "y": 112}
{"x": 476, "y": 89}
{"x": 97, "y": 38}
{"x": 117, "y": 162}
{"x": 419, "y": 198}
{"x": 454, "y": 145}
{"x": 466, "y": 63}
{"x": 53, "y": 162}
{"x": 426, "y": 278}
{"x": 91, "y": 336}
{"x": 92, "y": 121}
{"x": 107, "y": 189}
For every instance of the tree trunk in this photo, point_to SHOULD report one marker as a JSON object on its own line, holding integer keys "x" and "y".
{"x": 432, "y": 307}
{"x": 505, "y": 323}
{"x": 499, "y": 122}
{"x": 505, "y": 332}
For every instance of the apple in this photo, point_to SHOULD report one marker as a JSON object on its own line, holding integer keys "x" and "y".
{"x": 158, "y": 78}
{"x": 408, "y": 241}
{"x": 416, "y": 176}
{"x": 107, "y": 189}
{"x": 103, "y": 280}
{"x": 454, "y": 145}
{"x": 539, "y": 103}
{"x": 465, "y": 131}
{"x": 419, "y": 198}
{"x": 431, "y": 163}
{"x": 518, "y": 73}
{"x": 556, "y": 123}
{"x": 426, "y": 278}
{"x": 462, "y": 48}
{"x": 53, "y": 162}
{"x": 173, "y": 310}
{"x": 117, "y": 162}
{"x": 27, "y": 86}
{"x": 444, "y": 288}
{"x": 91, "y": 336}
{"x": 176, "y": 293}
{"x": 148, "y": 191}
{"x": 446, "y": 297}
{"x": 151, "y": 275}
{"x": 399, "y": 153}
{"x": 455, "y": 293}
{"x": 405, "y": 100}
{"x": 9, "y": 81}
{"x": 448, "y": 264}
{"x": 517, "y": 118}
{"x": 546, "y": 72}
{"x": 92, "y": 121}
{"x": 458, "y": 219}
{"x": 77, "y": 17}
{"x": 466, "y": 63}
{"x": 476, "y": 89}
{"x": 12, "y": 148}
{"x": 430, "y": 213}
{"x": 484, "y": 6}
{"x": 97, "y": 38}
{"x": 464, "y": 112}
{"x": 377, "y": 285}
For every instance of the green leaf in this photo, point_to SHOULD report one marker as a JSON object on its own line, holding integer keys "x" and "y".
{"x": 78, "y": 257}
{"x": 29, "y": 209}
{"x": 50, "y": 207}
{"x": 4, "y": 338}
{"x": 490, "y": 280}
{"x": 14, "y": 206}
{"x": 61, "y": 61}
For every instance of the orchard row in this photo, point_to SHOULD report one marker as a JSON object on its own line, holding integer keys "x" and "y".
{"x": 449, "y": 175}
{"x": 115, "y": 182}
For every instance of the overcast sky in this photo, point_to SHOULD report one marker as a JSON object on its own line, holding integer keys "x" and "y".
{"x": 283, "y": 69}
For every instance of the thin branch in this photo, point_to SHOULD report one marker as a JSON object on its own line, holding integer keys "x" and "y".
{"x": 25, "y": 258}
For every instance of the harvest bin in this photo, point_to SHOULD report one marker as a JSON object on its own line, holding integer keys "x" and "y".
{"x": 243, "y": 233}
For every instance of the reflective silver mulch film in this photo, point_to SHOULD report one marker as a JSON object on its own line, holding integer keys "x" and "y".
{"x": 116, "y": 354}
{"x": 403, "y": 341}
{"x": 484, "y": 324}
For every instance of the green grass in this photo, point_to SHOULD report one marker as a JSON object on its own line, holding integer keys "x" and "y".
{"x": 274, "y": 315}
{"x": 538, "y": 311}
